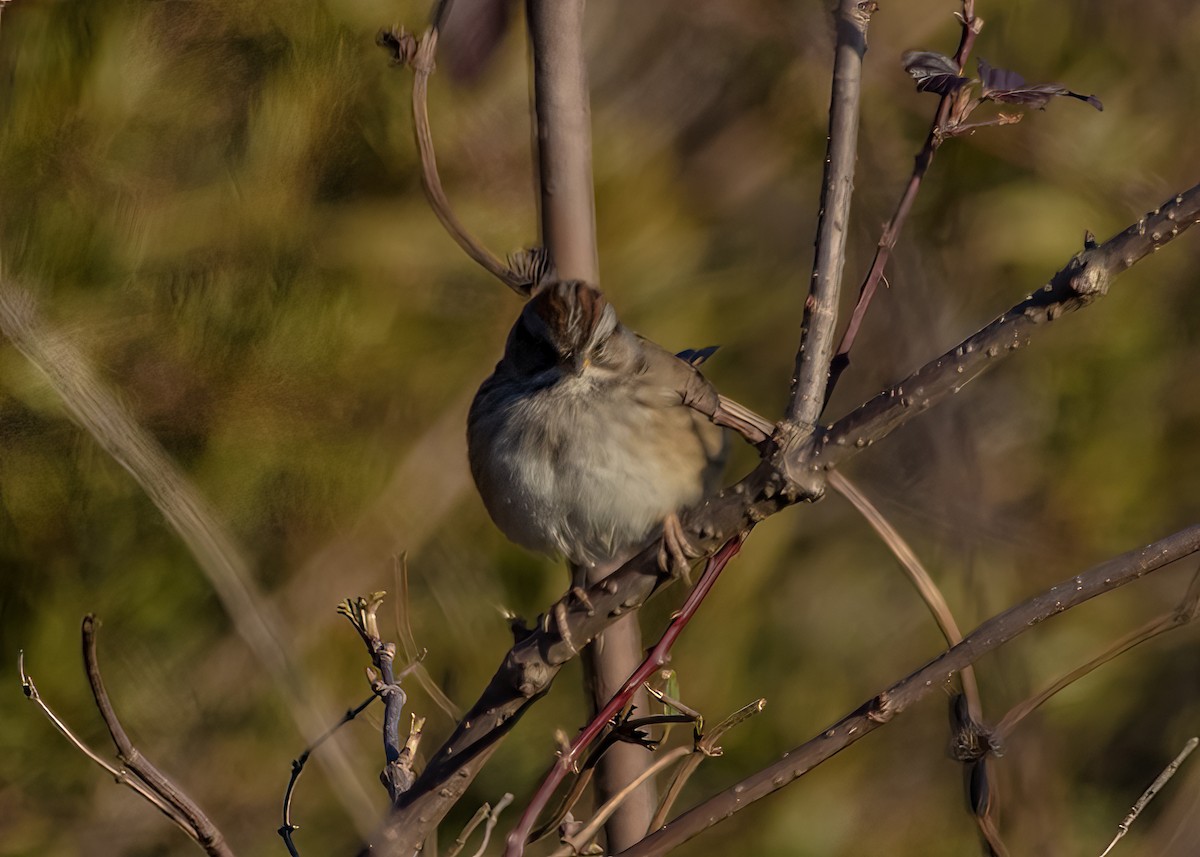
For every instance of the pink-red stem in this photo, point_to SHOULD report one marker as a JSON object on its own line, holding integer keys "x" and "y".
{"x": 515, "y": 846}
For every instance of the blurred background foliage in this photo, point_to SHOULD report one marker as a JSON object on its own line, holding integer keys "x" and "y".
{"x": 217, "y": 203}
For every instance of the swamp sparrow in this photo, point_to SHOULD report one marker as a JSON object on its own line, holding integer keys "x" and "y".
{"x": 588, "y": 440}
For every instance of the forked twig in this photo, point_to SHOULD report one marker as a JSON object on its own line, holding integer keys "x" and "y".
{"x": 705, "y": 747}
{"x": 150, "y": 783}
{"x": 397, "y": 774}
{"x": 485, "y": 812}
{"x": 587, "y": 833}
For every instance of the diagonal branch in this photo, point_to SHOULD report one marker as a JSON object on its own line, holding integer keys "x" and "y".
{"x": 1084, "y": 279}
{"x": 884, "y": 706}
{"x": 795, "y": 471}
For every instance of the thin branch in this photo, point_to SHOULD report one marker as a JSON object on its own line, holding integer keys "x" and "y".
{"x": 476, "y": 820}
{"x": 794, "y": 471}
{"x": 1148, "y": 795}
{"x": 406, "y": 50}
{"x": 1183, "y": 614}
{"x": 493, "y": 817}
{"x": 967, "y": 729}
{"x": 917, "y": 575}
{"x": 884, "y": 706}
{"x": 120, "y": 776}
{"x": 820, "y": 310}
{"x": 971, "y": 26}
{"x": 287, "y": 828}
{"x": 203, "y": 830}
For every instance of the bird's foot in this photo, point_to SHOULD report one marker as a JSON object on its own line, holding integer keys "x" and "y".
{"x": 676, "y": 552}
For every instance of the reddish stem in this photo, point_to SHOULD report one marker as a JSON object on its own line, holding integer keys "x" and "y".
{"x": 891, "y": 233}
{"x": 515, "y": 846}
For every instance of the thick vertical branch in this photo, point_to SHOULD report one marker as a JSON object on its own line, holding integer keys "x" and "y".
{"x": 562, "y": 114}
{"x": 820, "y": 310}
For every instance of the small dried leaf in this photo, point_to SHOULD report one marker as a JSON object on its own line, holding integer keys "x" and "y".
{"x": 933, "y": 72}
{"x": 1007, "y": 87}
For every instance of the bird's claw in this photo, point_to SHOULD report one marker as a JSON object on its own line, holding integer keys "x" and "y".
{"x": 675, "y": 551}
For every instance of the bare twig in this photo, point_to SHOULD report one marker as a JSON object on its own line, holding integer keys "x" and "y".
{"x": 965, "y": 735}
{"x": 406, "y": 50}
{"x": 476, "y": 820}
{"x": 884, "y": 706}
{"x": 287, "y": 828}
{"x": 971, "y": 26}
{"x": 1183, "y": 614}
{"x": 397, "y": 774}
{"x": 120, "y": 776}
{"x": 707, "y": 746}
{"x": 206, "y": 833}
{"x": 917, "y": 575}
{"x": 493, "y": 817}
{"x": 576, "y": 841}
{"x": 820, "y": 310}
{"x": 1148, "y": 795}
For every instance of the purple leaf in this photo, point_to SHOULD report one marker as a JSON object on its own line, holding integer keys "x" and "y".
{"x": 1007, "y": 87}
{"x": 933, "y": 72}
